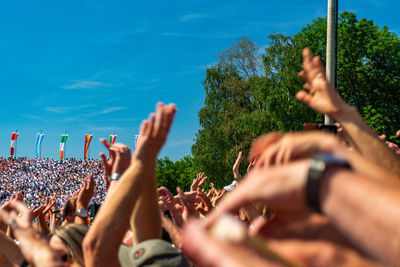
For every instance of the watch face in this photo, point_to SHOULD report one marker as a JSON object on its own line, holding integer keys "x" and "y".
{"x": 82, "y": 213}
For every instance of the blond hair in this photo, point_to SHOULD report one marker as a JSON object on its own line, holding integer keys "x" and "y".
{"x": 72, "y": 236}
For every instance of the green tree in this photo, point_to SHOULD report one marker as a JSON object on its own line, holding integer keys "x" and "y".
{"x": 173, "y": 174}
{"x": 248, "y": 94}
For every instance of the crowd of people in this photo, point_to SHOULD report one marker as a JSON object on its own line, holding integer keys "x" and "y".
{"x": 307, "y": 199}
{"x": 39, "y": 179}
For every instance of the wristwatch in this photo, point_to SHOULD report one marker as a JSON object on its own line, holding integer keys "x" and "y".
{"x": 83, "y": 213}
{"x": 320, "y": 163}
{"x": 115, "y": 177}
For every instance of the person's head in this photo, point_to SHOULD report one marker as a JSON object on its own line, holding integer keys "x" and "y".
{"x": 67, "y": 241}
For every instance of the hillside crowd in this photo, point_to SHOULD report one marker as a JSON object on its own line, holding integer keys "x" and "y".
{"x": 309, "y": 198}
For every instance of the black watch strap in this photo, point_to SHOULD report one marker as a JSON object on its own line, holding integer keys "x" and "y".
{"x": 319, "y": 164}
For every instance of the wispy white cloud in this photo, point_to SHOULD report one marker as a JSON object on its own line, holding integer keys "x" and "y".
{"x": 192, "y": 17}
{"x": 105, "y": 111}
{"x": 67, "y": 109}
{"x": 86, "y": 85}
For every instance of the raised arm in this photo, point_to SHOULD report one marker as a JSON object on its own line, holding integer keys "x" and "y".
{"x": 298, "y": 145}
{"x": 145, "y": 219}
{"x": 10, "y": 250}
{"x": 345, "y": 197}
{"x": 82, "y": 202}
{"x": 321, "y": 96}
{"x": 102, "y": 242}
{"x": 34, "y": 247}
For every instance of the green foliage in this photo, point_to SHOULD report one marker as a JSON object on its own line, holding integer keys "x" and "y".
{"x": 173, "y": 174}
{"x": 248, "y": 94}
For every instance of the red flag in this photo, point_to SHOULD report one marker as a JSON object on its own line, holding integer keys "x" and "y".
{"x": 13, "y": 138}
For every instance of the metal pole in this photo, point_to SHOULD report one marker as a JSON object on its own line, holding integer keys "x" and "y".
{"x": 16, "y": 140}
{"x": 331, "y": 47}
{"x": 40, "y": 147}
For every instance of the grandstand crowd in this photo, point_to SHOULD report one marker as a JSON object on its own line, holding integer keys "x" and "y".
{"x": 308, "y": 198}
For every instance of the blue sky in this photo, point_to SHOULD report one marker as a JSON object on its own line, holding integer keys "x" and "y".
{"x": 101, "y": 66}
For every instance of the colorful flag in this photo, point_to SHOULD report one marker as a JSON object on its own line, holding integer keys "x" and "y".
{"x": 88, "y": 138}
{"x": 112, "y": 138}
{"x": 137, "y": 136}
{"x": 39, "y": 139}
{"x": 62, "y": 144}
{"x": 13, "y": 138}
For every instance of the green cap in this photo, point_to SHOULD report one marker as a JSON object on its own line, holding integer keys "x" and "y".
{"x": 153, "y": 252}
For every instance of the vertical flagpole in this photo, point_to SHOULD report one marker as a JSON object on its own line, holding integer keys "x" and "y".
{"x": 331, "y": 47}
{"x": 89, "y": 149}
{"x": 16, "y": 142}
{"x": 65, "y": 148}
{"x": 40, "y": 147}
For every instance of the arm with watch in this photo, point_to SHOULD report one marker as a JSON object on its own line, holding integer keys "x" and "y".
{"x": 365, "y": 210}
{"x": 82, "y": 203}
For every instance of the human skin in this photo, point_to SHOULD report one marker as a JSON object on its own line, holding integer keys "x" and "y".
{"x": 101, "y": 244}
{"x": 346, "y": 197}
{"x": 321, "y": 96}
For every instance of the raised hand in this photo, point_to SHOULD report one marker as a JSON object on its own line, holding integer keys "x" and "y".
{"x": 198, "y": 181}
{"x": 283, "y": 189}
{"x": 50, "y": 203}
{"x": 86, "y": 193}
{"x": 120, "y": 157}
{"x": 319, "y": 94}
{"x": 206, "y": 205}
{"x": 218, "y": 195}
{"x": 166, "y": 197}
{"x": 236, "y": 166}
{"x": 154, "y": 131}
{"x": 294, "y": 146}
{"x": 38, "y": 211}
{"x": 16, "y": 196}
{"x": 169, "y": 203}
{"x": 188, "y": 205}
{"x": 34, "y": 246}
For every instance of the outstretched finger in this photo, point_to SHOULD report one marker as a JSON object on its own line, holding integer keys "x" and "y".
{"x": 103, "y": 158}
{"x": 152, "y": 120}
{"x": 261, "y": 143}
{"x": 105, "y": 143}
{"x": 160, "y": 115}
{"x": 304, "y": 97}
{"x": 201, "y": 182}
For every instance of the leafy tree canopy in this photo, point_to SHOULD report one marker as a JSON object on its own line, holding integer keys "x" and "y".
{"x": 249, "y": 93}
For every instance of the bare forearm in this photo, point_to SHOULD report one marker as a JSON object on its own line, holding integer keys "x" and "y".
{"x": 145, "y": 218}
{"x": 172, "y": 230}
{"x": 366, "y": 140}
{"x": 10, "y": 249}
{"x": 368, "y": 168}
{"x": 366, "y": 210}
{"x": 52, "y": 221}
{"x": 112, "y": 221}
